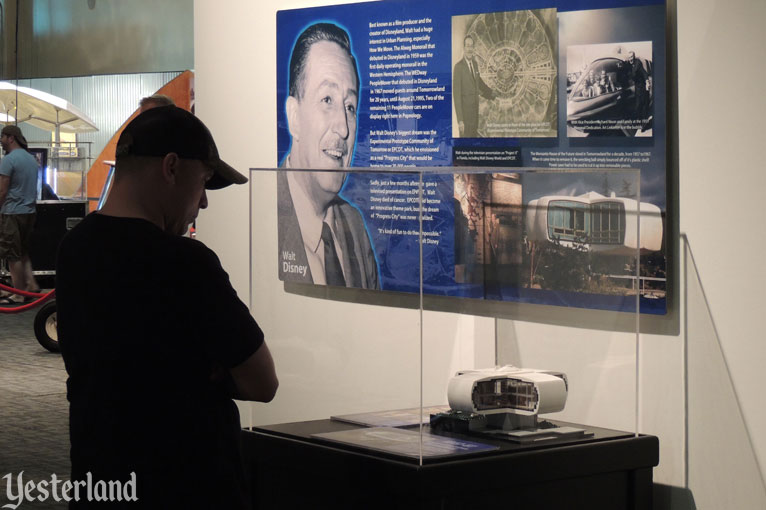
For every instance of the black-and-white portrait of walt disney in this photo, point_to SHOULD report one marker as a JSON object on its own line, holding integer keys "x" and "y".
{"x": 322, "y": 237}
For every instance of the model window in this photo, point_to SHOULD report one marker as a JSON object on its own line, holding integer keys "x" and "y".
{"x": 607, "y": 223}
{"x": 505, "y": 394}
{"x": 567, "y": 221}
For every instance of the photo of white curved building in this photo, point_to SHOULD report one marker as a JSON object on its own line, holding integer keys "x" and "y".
{"x": 595, "y": 223}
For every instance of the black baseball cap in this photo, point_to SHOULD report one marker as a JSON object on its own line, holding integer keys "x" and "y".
{"x": 15, "y": 131}
{"x": 165, "y": 129}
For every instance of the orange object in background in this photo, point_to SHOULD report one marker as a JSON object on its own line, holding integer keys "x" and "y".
{"x": 181, "y": 89}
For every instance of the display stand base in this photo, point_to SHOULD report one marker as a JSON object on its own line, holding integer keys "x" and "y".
{"x": 509, "y": 426}
{"x": 290, "y": 467}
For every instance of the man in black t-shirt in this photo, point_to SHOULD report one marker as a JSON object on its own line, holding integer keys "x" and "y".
{"x": 155, "y": 340}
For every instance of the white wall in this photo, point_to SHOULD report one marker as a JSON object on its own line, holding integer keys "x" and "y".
{"x": 721, "y": 108}
{"x": 722, "y": 181}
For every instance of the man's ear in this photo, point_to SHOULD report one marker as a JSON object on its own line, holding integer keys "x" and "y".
{"x": 170, "y": 164}
{"x": 293, "y": 121}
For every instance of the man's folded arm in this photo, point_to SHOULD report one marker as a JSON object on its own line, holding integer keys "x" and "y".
{"x": 256, "y": 378}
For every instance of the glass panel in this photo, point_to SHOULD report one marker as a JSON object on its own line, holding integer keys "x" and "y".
{"x": 340, "y": 348}
{"x": 565, "y": 309}
{"x": 442, "y": 278}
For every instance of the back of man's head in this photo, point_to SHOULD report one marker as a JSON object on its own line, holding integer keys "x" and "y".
{"x": 160, "y": 131}
{"x": 312, "y": 35}
{"x": 154, "y": 101}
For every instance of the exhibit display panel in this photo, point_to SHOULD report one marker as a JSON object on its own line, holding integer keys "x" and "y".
{"x": 384, "y": 296}
{"x": 561, "y": 84}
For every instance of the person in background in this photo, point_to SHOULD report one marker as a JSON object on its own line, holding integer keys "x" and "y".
{"x": 154, "y": 101}
{"x": 637, "y": 74}
{"x": 18, "y": 206}
{"x": 605, "y": 83}
{"x": 467, "y": 86}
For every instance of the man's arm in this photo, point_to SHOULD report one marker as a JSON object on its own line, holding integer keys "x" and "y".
{"x": 256, "y": 378}
{"x": 485, "y": 89}
{"x": 5, "y": 184}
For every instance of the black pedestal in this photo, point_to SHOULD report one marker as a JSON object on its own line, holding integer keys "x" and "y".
{"x": 289, "y": 469}
{"x": 50, "y": 229}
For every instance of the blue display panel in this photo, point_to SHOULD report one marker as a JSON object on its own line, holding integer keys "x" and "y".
{"x": 490, "y": 84}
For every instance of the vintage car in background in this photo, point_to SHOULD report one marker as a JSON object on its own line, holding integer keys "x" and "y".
{"x": 615, "y": 104}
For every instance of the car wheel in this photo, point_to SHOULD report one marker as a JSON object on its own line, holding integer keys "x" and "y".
{"x": 46, "y": 329}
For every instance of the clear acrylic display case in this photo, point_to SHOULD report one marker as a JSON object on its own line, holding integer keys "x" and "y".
{"x": 472, "y": 268}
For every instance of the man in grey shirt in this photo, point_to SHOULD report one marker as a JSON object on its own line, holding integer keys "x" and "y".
{"x": 18, "y": 198}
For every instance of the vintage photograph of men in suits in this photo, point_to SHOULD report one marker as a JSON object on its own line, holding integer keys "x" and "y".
{"x": 504, "y": 74}
{"x": 322, "y": 237}
{"x": 609, "y": 89}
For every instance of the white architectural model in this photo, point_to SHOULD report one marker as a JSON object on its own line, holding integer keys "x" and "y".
{"x": 507, "y": 389}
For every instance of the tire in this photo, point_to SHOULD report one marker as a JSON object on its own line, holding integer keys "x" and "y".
{"x": 45, "y": 327}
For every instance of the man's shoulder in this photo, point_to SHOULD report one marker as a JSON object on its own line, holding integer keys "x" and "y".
{"x": 82, "y": 229}
{"x": 97, "y": 233}
{"x": 189, "y": 254}
{"x": 104, "y": 229}
{"x": 138, "y": 242}
{"x": 17, "y": 159}
{"x": 193, "y": 247}
{"x": 21, "y": 156}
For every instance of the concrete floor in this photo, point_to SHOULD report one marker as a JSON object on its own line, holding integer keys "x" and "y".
{"x": 34, "y": 422}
